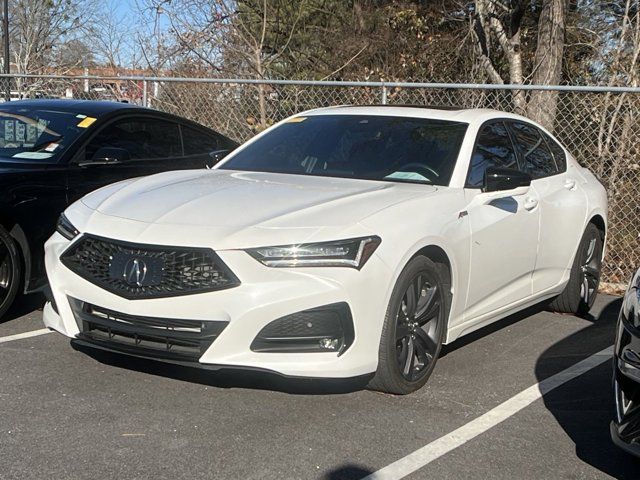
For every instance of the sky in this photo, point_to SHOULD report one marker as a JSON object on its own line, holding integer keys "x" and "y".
{"x": 132, "y": 14}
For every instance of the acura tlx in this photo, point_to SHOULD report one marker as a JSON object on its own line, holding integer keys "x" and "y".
{"x": 341, "y": 242}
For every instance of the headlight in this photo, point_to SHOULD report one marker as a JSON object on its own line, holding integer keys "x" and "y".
{"x": 352, "y": 253}
{"x": 66, "y": 228}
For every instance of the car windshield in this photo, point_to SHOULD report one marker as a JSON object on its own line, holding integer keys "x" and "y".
{"x": 38, "y": 135}
{"x": 370, "y": 147}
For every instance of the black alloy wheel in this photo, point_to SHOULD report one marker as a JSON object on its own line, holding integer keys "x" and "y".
{"x": 581, "y": 290}
{"x": 414, "y": 327}
{"x": 10, "y": 271}
{"x": 417, "y": 332}
{"x": 590, "y": 270}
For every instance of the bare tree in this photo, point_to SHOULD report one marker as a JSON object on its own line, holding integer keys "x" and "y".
{"x": 229, "y": 36}
{"x": 497, "y": 29}
{"x": 112, "y": 41}
{"x": 38, "y": 29}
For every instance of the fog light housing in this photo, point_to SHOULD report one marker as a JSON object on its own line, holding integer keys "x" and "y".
{"x": 323, "y": 329}
{"x": 329, "y": 343}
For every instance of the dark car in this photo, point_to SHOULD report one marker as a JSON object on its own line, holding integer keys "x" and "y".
{"x": 52, "y": 152}
{"x": 625, "y": 429}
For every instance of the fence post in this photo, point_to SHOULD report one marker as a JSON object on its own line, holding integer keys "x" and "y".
{"x": 86, "y": 80}
{"x": 384, "y": 94}
{"x": 155, "y": 90}
{"x": 144, "y": 93}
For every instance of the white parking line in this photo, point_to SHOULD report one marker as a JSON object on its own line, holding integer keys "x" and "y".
{"x": 19, "y": 336}
{"x": 469, "y": 431}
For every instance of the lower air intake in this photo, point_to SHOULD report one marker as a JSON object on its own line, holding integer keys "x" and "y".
{"x": 172, "y": 339}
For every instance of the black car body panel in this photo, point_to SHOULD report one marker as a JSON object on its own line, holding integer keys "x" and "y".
{"x": 625, "y": 429}
{"x": 34, "y": 193}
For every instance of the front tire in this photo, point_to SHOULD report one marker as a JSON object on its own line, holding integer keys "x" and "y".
{"x": 10, "y": 271}
{"x": 414, "y": 327}
{"x": 582, "y": 289}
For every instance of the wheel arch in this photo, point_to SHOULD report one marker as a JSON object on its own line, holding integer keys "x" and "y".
{"x": 435, "y": 249}
{"x": 17, "y": 233}
{"x": 599, "y": 222}
{"x": 438, "y": 252}
{"x": 438, "y": 255}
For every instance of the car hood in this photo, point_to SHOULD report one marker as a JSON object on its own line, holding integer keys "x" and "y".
{"x": 232, "y": 199}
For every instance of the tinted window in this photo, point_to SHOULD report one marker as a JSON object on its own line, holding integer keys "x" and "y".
{"x": 357, "y": 146}
{"x": 197, "y": 142}
{"x": 558, "y": 153}
{"x": 141, "y": 138}
{"x": 538, "y": 161}
{"x": 493, "y": 149}
{"x": 38, "y": 135}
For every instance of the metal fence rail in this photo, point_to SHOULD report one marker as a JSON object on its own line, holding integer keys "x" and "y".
{"x": 599, "y": 125}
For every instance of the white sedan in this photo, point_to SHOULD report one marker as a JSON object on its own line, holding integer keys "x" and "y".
{"x": 341, "y": 242}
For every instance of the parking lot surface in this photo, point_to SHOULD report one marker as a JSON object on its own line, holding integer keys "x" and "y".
{"x": 74, "y": 413}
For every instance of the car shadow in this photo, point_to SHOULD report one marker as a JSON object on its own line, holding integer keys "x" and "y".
{"x": 347, "y": 472}
{"x": 24, "y": 305}
{"x": 584, "y": 406}
{"x": 493, "y": 327}
{"x": 228, "y": 377}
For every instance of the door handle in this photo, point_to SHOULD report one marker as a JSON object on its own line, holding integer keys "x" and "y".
{"x": 569, "y": 184}
{"x": 530, "y": 203}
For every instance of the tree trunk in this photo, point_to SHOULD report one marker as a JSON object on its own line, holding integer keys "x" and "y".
{"x": 262, "y": 103}
{"x": 542, "y": 105}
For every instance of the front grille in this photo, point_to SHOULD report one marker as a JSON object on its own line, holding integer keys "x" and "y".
{"x": 174, "y": 339}
{"x": 135, "y": 271}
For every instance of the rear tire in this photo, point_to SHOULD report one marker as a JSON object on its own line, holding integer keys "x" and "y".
{"x": 10, "y": 271}
{"x": 582, "y": 289}
{"x": 414, "y": 327}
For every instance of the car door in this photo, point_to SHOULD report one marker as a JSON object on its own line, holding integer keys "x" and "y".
{"x": 127, "y": 148}
{"x": 504, "y": 229}
{"x": 563, "y": 205}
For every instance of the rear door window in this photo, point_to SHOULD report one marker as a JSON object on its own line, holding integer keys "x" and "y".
{"x": 537, "y": 158}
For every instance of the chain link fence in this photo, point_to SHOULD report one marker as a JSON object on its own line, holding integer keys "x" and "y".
{"x": 599, "y": 126}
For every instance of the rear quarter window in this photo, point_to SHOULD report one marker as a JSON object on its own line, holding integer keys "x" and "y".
{"x": 558, "y": 153}
{"x": 198, "y": 142}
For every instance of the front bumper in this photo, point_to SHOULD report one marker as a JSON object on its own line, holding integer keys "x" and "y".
{"x": 625, "y": 429}
{"x": 264, "y": 295}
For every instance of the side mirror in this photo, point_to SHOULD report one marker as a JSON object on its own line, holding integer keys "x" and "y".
{"x": 107, "y": 155}
{"x": 497, "y": 179}
{"x": 216, "y": 156}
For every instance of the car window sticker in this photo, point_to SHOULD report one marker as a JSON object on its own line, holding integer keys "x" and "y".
{"x": 86, "y": 122}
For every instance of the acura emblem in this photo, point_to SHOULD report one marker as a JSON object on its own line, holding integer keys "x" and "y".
{"x": 135, "y": 271}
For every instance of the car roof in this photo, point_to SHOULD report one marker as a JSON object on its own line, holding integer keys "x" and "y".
{"x": 458, "y": 114}
{"x": 94, "y": 108}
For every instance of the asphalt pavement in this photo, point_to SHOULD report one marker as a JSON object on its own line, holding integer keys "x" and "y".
{"x": 75, "y": 413}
